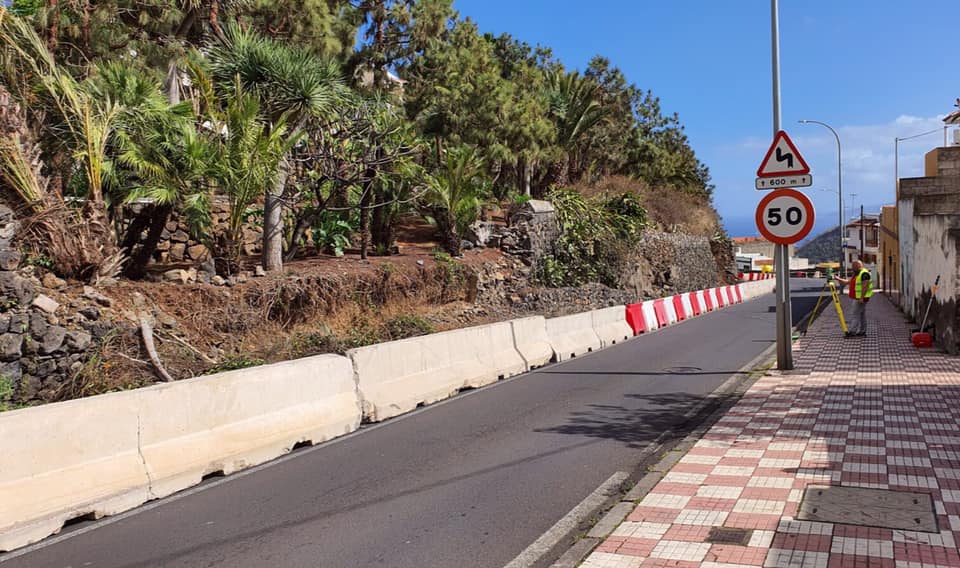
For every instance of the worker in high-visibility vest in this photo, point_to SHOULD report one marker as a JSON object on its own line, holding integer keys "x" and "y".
{"x": 861, "y": 289}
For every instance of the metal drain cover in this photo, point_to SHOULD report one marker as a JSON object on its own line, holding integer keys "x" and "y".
{"x": 726, "y": 535}
{"x": 869, "y": 508}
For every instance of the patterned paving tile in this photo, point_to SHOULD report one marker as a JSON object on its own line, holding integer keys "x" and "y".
{"x": 871, "y": 412}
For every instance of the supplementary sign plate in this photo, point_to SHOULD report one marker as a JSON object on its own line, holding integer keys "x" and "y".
{"x": 803, "y": 180}
{"x": 785, "y": 216}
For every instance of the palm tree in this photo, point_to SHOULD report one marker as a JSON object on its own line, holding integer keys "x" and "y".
{"x": 293, "y": 87}
{"x": 248, "y": 157}
{"x": 454, "y": 195}
{"x": 82, "y": 243}
{"x": 574, "y": 103}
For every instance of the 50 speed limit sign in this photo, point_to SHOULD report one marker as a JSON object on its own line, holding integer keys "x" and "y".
{"x": 785, "y": 216}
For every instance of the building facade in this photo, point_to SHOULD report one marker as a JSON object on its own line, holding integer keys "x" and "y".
{"x": 928, "y": 229}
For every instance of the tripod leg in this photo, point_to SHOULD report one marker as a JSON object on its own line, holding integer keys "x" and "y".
{"x": 836, "y": 304}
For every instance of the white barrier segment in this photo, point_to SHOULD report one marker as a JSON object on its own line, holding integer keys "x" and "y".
{"x": 701, "y": 300}
{"x": 687, "y": 305}
{"x": 397, "y": 376}
{"x": 650, "y": 315}
{"x": 531, "y": 341}
{"x": 65, "y": 460}
{"x": 234, "y": 420}
{"x": 671, "y": 310}
{"x": 610, "y": 325}
{"x": 573, "y": 335}
{"x": 106, "y": 454}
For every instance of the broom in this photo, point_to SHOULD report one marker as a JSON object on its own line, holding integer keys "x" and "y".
{"x": 920, "y": 337}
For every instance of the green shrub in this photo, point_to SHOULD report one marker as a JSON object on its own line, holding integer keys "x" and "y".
{"x": 6, "y": 393}
{"x": 407, "y": 325}
{"x": 234, "y": 362}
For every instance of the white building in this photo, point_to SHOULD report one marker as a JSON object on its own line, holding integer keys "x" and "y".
{"x": 865, "y": 236}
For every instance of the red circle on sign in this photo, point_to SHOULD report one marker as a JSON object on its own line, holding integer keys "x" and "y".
{"x": 804, "y": 230}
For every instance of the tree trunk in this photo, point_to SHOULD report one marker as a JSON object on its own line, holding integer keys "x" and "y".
{"x": 527, "y": 174}
{"x": 447, "y": 225}
{"x": 365, "y": 201}
{"x": 560, "y": 173}
{"x": 273, "y": 221}
{"x": 381, "y": 229}
{"x": 138, "y": 263}
{"x": 53, "y": 31}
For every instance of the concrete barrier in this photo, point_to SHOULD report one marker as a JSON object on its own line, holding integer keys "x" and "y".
{"x": 650, "y": 315}
{"x": 573, "y": 335}
{"x": 105, "y": 454}
{"x": 531, "y": 341}
{"x": 610, "y": 325}
{"x": 67, "y": 460}
{"x": 238, "y": 419}
{"x": 397, "y": 376}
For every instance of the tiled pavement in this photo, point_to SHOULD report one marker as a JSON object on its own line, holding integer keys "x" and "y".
{"x": 869, "y": 412}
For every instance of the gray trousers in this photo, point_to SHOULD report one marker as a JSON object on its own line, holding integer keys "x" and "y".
{"x": 858, "y": 318}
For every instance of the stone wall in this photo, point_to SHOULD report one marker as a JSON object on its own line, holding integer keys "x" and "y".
{"x": 178, "y": 245}
{"x": 669, "y": 263}
{"x": 42, "y": 344}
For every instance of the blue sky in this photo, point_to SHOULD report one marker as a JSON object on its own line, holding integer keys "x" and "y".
{"x": 874, "y": 70}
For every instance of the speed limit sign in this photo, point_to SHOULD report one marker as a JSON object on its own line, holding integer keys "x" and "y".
{"x": 785, "y": 216}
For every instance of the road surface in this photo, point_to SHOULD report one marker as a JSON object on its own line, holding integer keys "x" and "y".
{"x": 469, "y": 482}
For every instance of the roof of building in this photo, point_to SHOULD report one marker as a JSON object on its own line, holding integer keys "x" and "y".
{"x": 749, "y": 240}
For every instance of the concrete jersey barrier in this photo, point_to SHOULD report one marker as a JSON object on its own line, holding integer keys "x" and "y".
{"x": 109, "y": 453}
{"x": 530, "y": 339}
{"x": 573, "y": 335}
{"x": 610, "y": 325}
{"x": 397, "y": 376}
{"x": 238, "y": 419}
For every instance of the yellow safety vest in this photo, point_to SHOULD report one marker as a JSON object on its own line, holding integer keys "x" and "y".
{"x": 858, "y": 286}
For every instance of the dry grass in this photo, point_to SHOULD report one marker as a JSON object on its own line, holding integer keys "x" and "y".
{"x": 669, "y": 209}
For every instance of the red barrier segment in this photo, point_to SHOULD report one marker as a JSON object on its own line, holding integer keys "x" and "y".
{"x": 678, "y": 307}
{"x": 635, "y": 318}
{"x": 695, "y": 303}
{"x": 739, "y": 293}
{"x": 720, "y": 300}
{"x": 731, "y": 295}
{"x": 661, "y": 310}
{"x": 708, "y": 300}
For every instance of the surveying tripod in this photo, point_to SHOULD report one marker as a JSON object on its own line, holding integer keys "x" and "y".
{"x": 835, "y": 297}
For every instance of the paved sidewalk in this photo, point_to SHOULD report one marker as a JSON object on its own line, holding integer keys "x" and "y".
{"x": 869, "y": 412}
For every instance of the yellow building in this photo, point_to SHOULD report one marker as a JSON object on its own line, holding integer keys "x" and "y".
{"x": 888, "y": 263}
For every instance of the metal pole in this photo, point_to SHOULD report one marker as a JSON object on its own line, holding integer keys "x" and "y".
{"x": 839, "y": 183}
{"x": 782, "y": 252}
{"x": 862, "y": 231}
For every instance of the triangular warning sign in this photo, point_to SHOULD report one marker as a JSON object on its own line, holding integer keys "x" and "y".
{"x": 782, "y": 159}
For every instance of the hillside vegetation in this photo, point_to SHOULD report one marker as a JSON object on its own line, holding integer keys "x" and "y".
{"x": 822, "y": 248}
{"x": 326, "y": 128}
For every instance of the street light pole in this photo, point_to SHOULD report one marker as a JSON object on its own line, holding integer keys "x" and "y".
{"x": 839, "y": 182}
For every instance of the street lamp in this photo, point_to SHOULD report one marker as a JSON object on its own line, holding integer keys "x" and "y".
{"x": 839, "y": 182}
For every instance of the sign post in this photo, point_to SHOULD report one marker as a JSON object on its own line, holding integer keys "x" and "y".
{"x": 781, "y": 256}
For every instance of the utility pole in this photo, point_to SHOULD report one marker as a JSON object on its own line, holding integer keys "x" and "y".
{"x": 862, "y": 230}
{"x": 782, "y": 252}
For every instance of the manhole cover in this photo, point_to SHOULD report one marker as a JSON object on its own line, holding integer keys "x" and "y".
{"x": 681, "y": 369}
{"x": 869, "y": 508}
{"x": 724, "y": 535}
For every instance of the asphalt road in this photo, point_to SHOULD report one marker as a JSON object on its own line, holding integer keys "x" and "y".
{"x": 469, "y": 482}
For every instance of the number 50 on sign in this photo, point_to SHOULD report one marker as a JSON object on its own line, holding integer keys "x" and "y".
{"x": 785, "y": 216}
